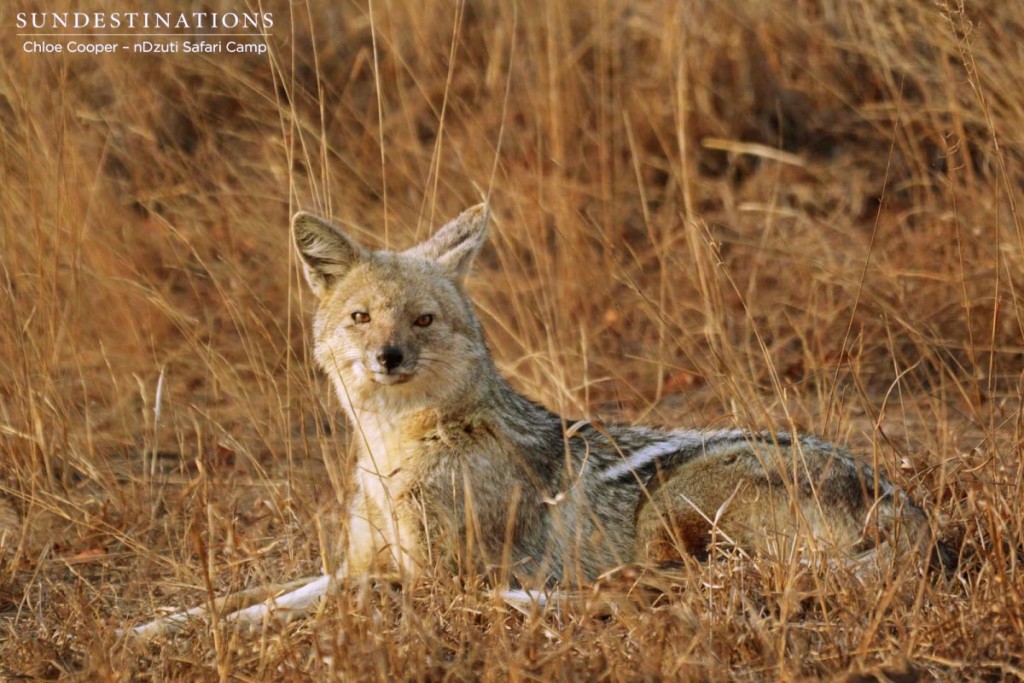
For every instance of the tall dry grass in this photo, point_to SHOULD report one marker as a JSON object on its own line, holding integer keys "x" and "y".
{"x": 797, "y": 215}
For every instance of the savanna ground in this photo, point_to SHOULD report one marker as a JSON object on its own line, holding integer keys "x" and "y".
{"x": 782, "y": 214}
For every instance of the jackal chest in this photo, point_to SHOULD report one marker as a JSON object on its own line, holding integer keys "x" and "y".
{"x": 395, "y": 461}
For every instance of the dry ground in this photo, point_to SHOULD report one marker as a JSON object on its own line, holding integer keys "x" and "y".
{"x": 784, "y": 214}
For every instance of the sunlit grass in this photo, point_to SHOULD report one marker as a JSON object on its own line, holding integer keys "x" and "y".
{"x": 758, "y": 214}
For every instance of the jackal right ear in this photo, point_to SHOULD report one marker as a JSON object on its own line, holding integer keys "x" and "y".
{"x": 326, "y": 253}
{"x": 456, "y": 244}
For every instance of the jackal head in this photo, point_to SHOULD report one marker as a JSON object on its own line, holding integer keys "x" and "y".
{"x": 394, "y": 330}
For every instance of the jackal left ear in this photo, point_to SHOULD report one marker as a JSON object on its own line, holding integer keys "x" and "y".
{"x": 326, "y": 253}
{"x": 456, "y": 244}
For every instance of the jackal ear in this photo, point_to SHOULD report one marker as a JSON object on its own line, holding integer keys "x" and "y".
{"x": 456, "y": 244}
{"x": 326, "y": 253}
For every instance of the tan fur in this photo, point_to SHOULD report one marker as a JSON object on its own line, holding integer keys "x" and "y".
{"x": 458, "y": 471}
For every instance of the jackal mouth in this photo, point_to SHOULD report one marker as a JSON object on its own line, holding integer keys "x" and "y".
{"x": 389, "y": 379}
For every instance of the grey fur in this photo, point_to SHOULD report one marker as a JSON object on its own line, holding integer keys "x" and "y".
{"x": 457, "y": 466}
{"x": 459, "y": 471}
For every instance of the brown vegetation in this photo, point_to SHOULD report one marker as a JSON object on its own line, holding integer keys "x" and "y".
{"x": 786, "y": 214}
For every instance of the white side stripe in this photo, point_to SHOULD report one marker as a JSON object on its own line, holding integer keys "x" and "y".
{"x": 521, "y": 596}
{"x": 674, "y": 441}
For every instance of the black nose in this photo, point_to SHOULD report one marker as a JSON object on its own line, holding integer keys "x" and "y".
{"x": 390, "y": 357}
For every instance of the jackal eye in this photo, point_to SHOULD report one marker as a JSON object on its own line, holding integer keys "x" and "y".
{"x": 424, "y": 320}
{"x": 361, "y": 317}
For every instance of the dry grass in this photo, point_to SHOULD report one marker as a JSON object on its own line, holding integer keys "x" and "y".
{"x": 776, "y": 214}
